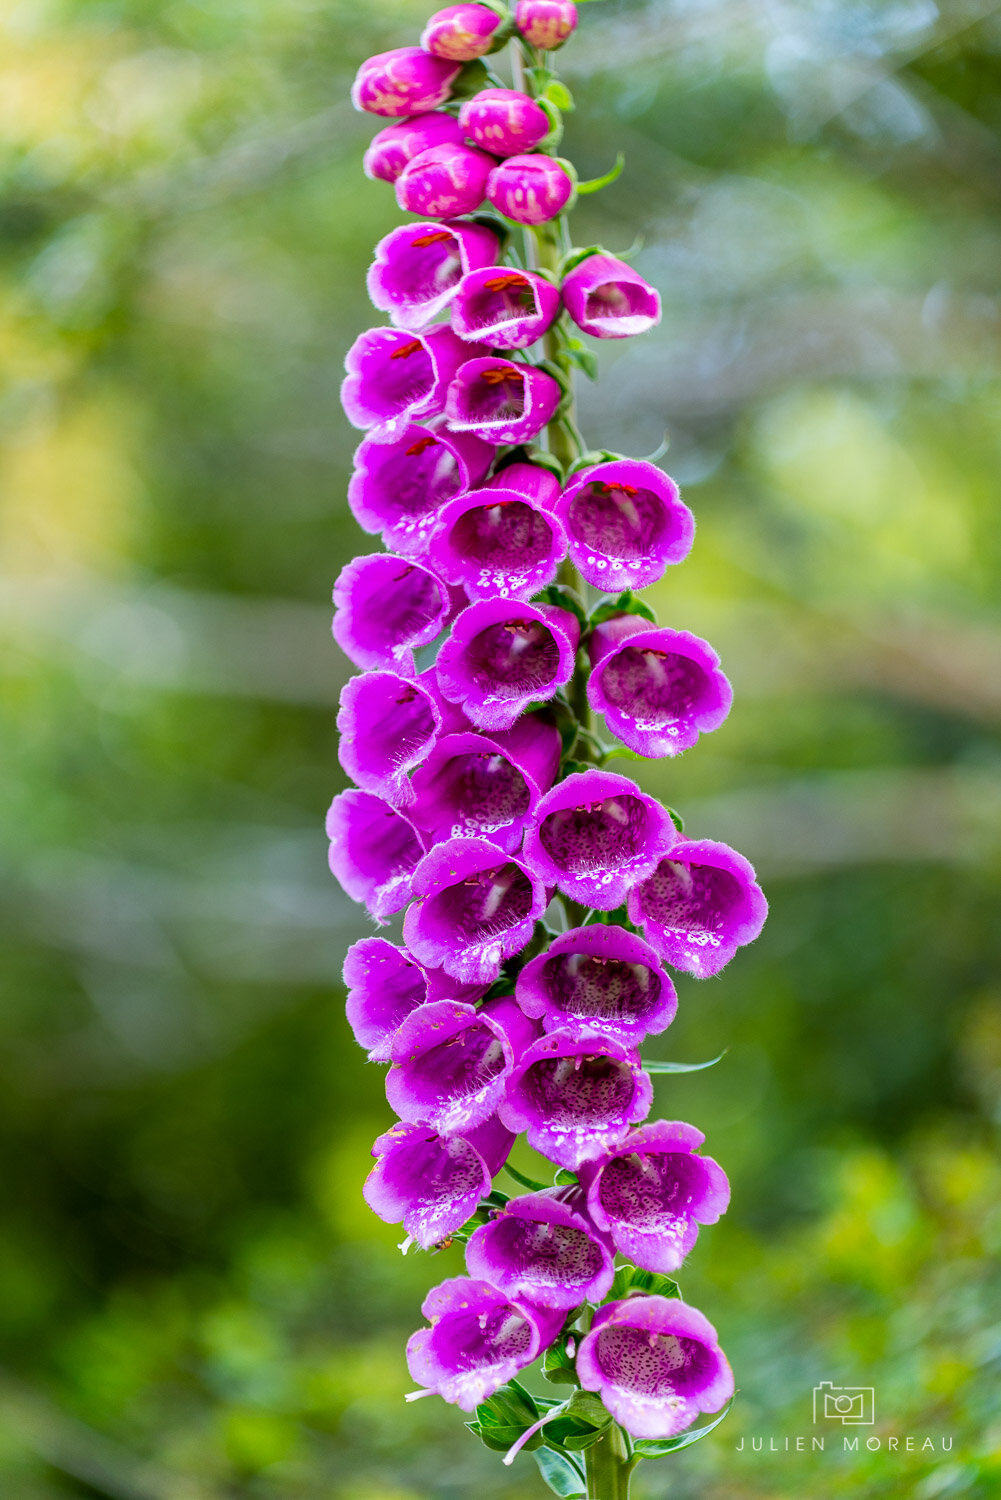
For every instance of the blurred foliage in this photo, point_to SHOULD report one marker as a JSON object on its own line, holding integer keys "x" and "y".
{"x": 196, "y": 1302}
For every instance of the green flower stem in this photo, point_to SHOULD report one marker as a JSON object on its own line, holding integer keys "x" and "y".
{"x": 608, "y": 1467}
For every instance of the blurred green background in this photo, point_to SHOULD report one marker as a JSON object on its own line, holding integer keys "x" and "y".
{"x": 195, "y": 1303}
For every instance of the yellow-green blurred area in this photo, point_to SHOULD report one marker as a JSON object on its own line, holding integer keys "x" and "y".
{"x": 196, "y": 1305}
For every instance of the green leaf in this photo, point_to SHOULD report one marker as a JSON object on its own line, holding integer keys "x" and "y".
{"x": 577, "y": 1442}
{"x": 584, "y": 359}
{"x": 551, "y": 141}
{"x": 500, "y": 1439}
{"x": 653, "y": 1065}
{"x": 620, "y": 752}
{"x": 574, "y": 257}
{"x": 510, "y": 1406}
{"x": 557, "y": 1366}
{"x": 677, "y": 819}
{"x": 626, "y": 603}
{"x": 564, "y": 1477}
{"x": 631, "y": 1279}
{"x": 565, "y": 1178}
{"x": 528, "y": 1182}
{"x": 564, "y": 598}
{"x": 557, "y": 93}
{"x": 657, "y": 1447}
{"x": 596, "y": 184}
{"x": 470, "y": 79}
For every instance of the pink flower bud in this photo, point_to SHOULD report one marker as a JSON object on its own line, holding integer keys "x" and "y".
{"x": 444, "y": 181}
{"x": 460, "y": 32}
{"x": 545, "y": 23}
{"x": 504, "y": 121}
{"x": 406, "y": 81}
{"x": 393, "y": 147}
{"x": 530, "y": 189}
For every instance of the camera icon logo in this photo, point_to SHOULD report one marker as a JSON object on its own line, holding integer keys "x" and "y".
{"x": 853, "y": 1405}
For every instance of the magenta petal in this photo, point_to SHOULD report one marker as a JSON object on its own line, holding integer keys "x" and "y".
{"x": 502, "y": 402}
{"x": 530, "y": 189}
{"x": 460, "y": 32}
{"x": 625, "y": 523}
{"x": 596, "y": 835}
{"x": 504, "y": 121}
{"x": 658, "y": 689}
{"x": 476, "y": 906}
{"x": 384, "y": 986}
{"x": 468, "y": 787}
{"x": 404, "y": 81}
{"x": 399, "y": 488}
{"x": 576, "y": 1096}
{"x": 504, "y": 308}
{"x": 546, "y": 24}
{"x": 418, "y": 268}
{"x": 497, "y": 544}
{"x": 656, "y": 1364}
{"x": 431, "y": 1184}
{"x": 608, "y": 299}
{"x": 393, "y": 147}
{"x": 444, "y": 181}
{"x": 477, "y": 1341}
{"x": 699, "y": 906}
{"x": 374, "y": 851}
{"x": 503, "y": 655}
{"x": 600, "y": 979}
{"x": 394, "y": 376}
{"x": 451, "y": 1063}
{"x": 537, "y": 1249}
{"x": 386, "y": 607}
{"x": 652, "y": 1192}
{"x": 388, "y": 725}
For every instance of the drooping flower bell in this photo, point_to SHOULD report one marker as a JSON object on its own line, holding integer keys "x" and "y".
{"x": 608, "y": 299}
{"x": 475, "y": 907}
{"x": 699, "y": 906}
{"x": 538, "y": 1249}
{"x": 399, "y": 488}
{"x": 403, "y": 81}
{"x": 596, "y": 835}
{"x": 504, "y": 308}
{"x": 474, "y": 787}
{"x": 502, "y": 655}
{"x": 386, "y": 607}
{"x": 451, "y": 1063}
{"x": 656, "y": 1364}
{"x": 530, "y": 189}
{"x": 501, "y": 541}
{"x": 598, "y": 979}
{"x": 374, "y": 851}
{"x": 384, "y": 984}
{"x": 395, "y": 376}
{"x": 477, "y": 1341}
{"x": 658, "y": 689}
{"x": 502, "y": 402}
{"x": 504, "y": 121}
{"x": 393, "y": 147}
{"x": 432, "y": 1184}
{"x": 418, "y": 268}
{"x": 652, "y": 1192}
{"x": 575, "y": 1096}
{"x": 444, "y": 181}
{"x": 625, "y": 523}
{"x": 388, "y": 725}
{"x": 545, "y": 24}
{"x": 461, "y": 32}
